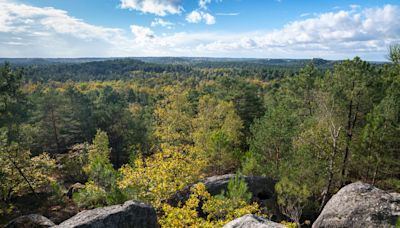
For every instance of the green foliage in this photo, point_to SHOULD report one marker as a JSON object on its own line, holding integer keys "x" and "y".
{"x": 237, "y": 190}
{"x": 271, "y": 142}
{"x": 292, "y": 198}
{"x": 221, "y": 207}
{"x": 101, "y": 188}
{"x": 21, "y": 173}
{"x": 72, "y": 163}
{"x": 179, "y": 124}
{"x": 13, "y": 102}
{"x": 58, "y": 192}
{"x": 394, "y": 53}
{"x": 217, "y": 130}
{"x": 91, "y": 196}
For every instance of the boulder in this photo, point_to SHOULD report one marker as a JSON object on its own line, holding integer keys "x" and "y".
{"x": 74, "y": 188}
{"x": 262, "y": 189}
{"x": 30, "y": 221}
{"x": 128, "y": 215}
{"x": 360, "y": 205}
{"x": 252, "y": 221}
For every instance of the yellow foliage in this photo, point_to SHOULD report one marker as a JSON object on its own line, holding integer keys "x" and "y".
{"x": 173, "y": 117}
{"x": 159, "y": 176}
{"x": 217, "y": 131}
{"x": 214, "y": 206}
{"x": 37, "y": 170}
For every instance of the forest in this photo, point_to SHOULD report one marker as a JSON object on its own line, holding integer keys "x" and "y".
{"x": 141, "y": 129}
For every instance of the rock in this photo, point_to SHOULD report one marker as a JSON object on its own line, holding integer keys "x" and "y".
{"x": 360, "y": 205}
{"x": 262, "y": 189}
{"x": 130, "y": 215}
{"x": 252, "y": 221}
{"x": 30, "y": 221}
{"x": 74, "y": 188}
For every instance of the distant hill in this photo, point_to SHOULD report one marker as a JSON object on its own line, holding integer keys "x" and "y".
{"x": 193, "y": 61}
{"x": 83, "y": 69}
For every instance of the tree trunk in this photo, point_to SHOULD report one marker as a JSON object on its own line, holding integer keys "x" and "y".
{"x": 23, "y": 176}
{"x": 53, "y": 121}
{"x": 335, "y": 136}
{"x": 351, "y": 122}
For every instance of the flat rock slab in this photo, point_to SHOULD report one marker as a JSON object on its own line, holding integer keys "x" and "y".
{"x": 30, "y": 221}
{"x": 128, "y": 215}
{"x": 252, "y": 221}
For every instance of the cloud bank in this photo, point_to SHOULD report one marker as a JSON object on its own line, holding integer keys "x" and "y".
{"x": 29, "y": 31}
{"x": 157, "y": 7}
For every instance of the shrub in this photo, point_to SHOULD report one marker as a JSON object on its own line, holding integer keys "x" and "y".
{"x": 219, "y": 209}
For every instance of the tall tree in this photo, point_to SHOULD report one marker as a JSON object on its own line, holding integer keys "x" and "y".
{"x": 217, "y": 130}
{"x": 351, "y": 83}
{"x": 13, "y": 102}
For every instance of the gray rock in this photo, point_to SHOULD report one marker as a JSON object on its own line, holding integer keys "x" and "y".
{"x": 360, "y": 205}
{"x": 262, "y": 189}
{"x": 30, "y": 221}
{"x": 130, "y": 215}
{"x": 252, "y": 221}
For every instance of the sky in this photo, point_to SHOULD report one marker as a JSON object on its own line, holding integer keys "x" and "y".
{"x": 199, "y": 28}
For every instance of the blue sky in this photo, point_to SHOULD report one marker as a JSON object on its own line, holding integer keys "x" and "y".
{"x": 214, "y": 28}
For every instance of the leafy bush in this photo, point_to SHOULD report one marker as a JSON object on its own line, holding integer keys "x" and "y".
{"x": 58, "y": 192}
{"x": 101, "y": 188}
{"x": 292, "y": 198}
{"x": 72, "y": 163}
{"x": 157, "y": 177}
{"x": 219, "y": 209}
{"x": 91, "y": 196}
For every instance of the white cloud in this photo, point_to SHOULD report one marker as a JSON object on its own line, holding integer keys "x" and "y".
{"x": 28, "y": 31}
{"x": 305, "y": 14}
{"x": 157, "y": 7}
{"x": 208, "y": 18}
{"x": 227, "y": 14}
{"x": 203, "y": 3}
{"x": 141, "y": 33}
{"x": 199, "y": 16}
{"x": 331, "y": 35}
{"x": 354, "y": 6}
{"x": 162, "y": 23}
{"x": 47, "y": 30}
{"x": 194, "y": 17}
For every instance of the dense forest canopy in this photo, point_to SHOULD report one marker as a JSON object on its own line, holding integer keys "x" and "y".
{"x": 143, "y": 129}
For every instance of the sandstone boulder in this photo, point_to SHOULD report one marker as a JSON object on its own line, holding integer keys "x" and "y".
{"x": 128, "y": 215}
{"x": 262, "y": 189}
{"x": 30, "y": 221}
{"x": 360, "y": 205}
{"x": 252, "y": 221}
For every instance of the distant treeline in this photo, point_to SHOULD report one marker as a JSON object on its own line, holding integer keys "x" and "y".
{"x": 43, "y": 70}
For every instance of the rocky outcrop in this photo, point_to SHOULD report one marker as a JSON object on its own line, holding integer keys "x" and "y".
{"x": 130, "y": 215}
{"x": 30, "y": 221}
{"x": 262, "y": 189}
{"x": 252, "y": 221}
{"x": 360, "y": 205}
